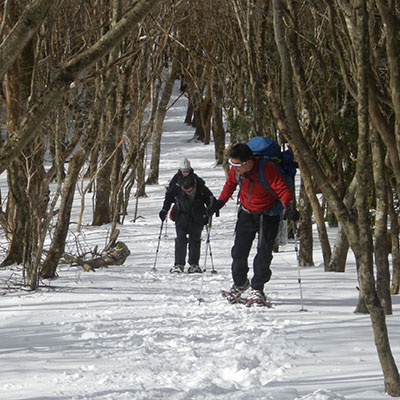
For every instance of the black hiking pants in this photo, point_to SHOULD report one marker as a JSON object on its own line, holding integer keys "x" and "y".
{"x": 190, "y": 233}
{"x": 247, "y": 226}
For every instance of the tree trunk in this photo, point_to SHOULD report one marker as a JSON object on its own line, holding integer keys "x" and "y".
{"x": 217, "y": 97}
{"x": 25, "y": 173}
{"x": 394, "y": 244}
{"x": 102, "y": 210}
{"x": 16, "y": 213}
{"x": 205, "y": 112}
{"x": 318, "y": 211}
{"x": 381, "y": 221}
{"x": 16, "y": 204}
{"x": 140, "y": 175}
{"x": 57, "y": 246}
{"x": 189, "y": 111}
{"x": 118, "y": 167}
{"x": 199, "y": 131}
{"x": 340, "y": 251}
{"x": 341, "y": 248}
{"x": 159, "y": 120}
{"x": 305, "y": 230}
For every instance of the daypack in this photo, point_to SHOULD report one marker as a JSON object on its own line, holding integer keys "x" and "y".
{"x": 267, "y": 150}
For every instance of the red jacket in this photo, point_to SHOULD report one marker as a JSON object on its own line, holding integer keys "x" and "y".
{"x": 253, "y": 196}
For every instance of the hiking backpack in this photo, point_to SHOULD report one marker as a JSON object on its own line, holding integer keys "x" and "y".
{"x": 267, "y": 150}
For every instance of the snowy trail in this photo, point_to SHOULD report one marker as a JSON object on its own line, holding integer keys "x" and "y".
{"x": 149, "y": 338}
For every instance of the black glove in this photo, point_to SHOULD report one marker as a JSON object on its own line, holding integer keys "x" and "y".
{"x": 216, "y": 206}
{"x": 163, "y": 215}
{"x": 291, "y": 214}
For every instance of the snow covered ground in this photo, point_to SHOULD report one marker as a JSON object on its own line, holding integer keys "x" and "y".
{"x": 131, "y": 332}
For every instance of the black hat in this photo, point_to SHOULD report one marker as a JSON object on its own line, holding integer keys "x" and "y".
{"x": 241, "y": 151}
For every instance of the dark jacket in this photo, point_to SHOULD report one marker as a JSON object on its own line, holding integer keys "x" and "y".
{"x": 187, "y": 212}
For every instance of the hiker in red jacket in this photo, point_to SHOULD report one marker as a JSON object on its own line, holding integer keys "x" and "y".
{"x": 259, "y": 212}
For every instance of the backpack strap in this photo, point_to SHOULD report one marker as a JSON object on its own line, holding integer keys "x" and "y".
{"x": 277, "y": 208}
{"x": 261, "y": 176}
{"x": 239, "y": 180}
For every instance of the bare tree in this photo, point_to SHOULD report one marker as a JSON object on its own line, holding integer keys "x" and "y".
{"x": 159, "y": 118}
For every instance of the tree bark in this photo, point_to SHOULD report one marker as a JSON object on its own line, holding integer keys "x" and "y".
{"x": 57, "y": 246}
{"x": 305, "y": 230}
{"x": 108, "y": 135}
{"x": 205, "y": 113}
{"x": 340, "y": 251}
{"x": 381, "y": 221}
{"x": 159, "y": 120}
{"x": 217, "y": 98}
{"x": 23, "y": 31}
{"x": 394, "y": 244}
{"x": 341, "y": 247}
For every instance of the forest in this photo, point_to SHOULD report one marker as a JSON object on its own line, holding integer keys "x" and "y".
{"x": 86, "y": 86}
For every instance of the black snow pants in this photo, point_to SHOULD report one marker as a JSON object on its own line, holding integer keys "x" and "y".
{"x": 247, "y": 226}
{"x": 188, "y": 233}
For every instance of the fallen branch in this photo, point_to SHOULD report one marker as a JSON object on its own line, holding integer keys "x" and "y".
{"x": 113, "y": 256}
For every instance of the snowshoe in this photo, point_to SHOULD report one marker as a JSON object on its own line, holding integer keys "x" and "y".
{"x": 257, "y": 298}
{"x": 234, "y": 294}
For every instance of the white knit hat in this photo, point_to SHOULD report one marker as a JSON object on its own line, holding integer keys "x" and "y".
{"x": 184, "y": 165}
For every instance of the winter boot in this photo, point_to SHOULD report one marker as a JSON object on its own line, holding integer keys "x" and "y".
{"x": 194, "y": 268}
{"x": 177, "y": 269}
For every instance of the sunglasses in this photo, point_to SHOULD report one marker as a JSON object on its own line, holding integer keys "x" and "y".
{"x": 233, "y": 164}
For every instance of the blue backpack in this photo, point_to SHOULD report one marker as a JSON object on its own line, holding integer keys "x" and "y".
{"x": 267, "y": 150}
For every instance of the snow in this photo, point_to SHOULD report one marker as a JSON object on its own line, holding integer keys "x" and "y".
{"x": 135, "y": 332}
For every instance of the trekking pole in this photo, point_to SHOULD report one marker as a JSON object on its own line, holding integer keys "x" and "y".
{"x": 166, "y": 228}
{"x": 200, "y": 299}
{"x": 208, "y": 247}
{"x": 208, "y": 228}
{"x": 166, "y": 220}
{"x": 298, "y": 265}
{"x": 158, "y": 245}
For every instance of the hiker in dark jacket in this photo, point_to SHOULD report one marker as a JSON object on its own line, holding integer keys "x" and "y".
{"x": 192, "y": 198}
{"x": 258, "y": 213}
{"x": 185, "y": 170}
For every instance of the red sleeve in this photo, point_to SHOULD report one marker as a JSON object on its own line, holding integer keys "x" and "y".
{"x": 229, "y": 187}
{"x": 277, "y": 183}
